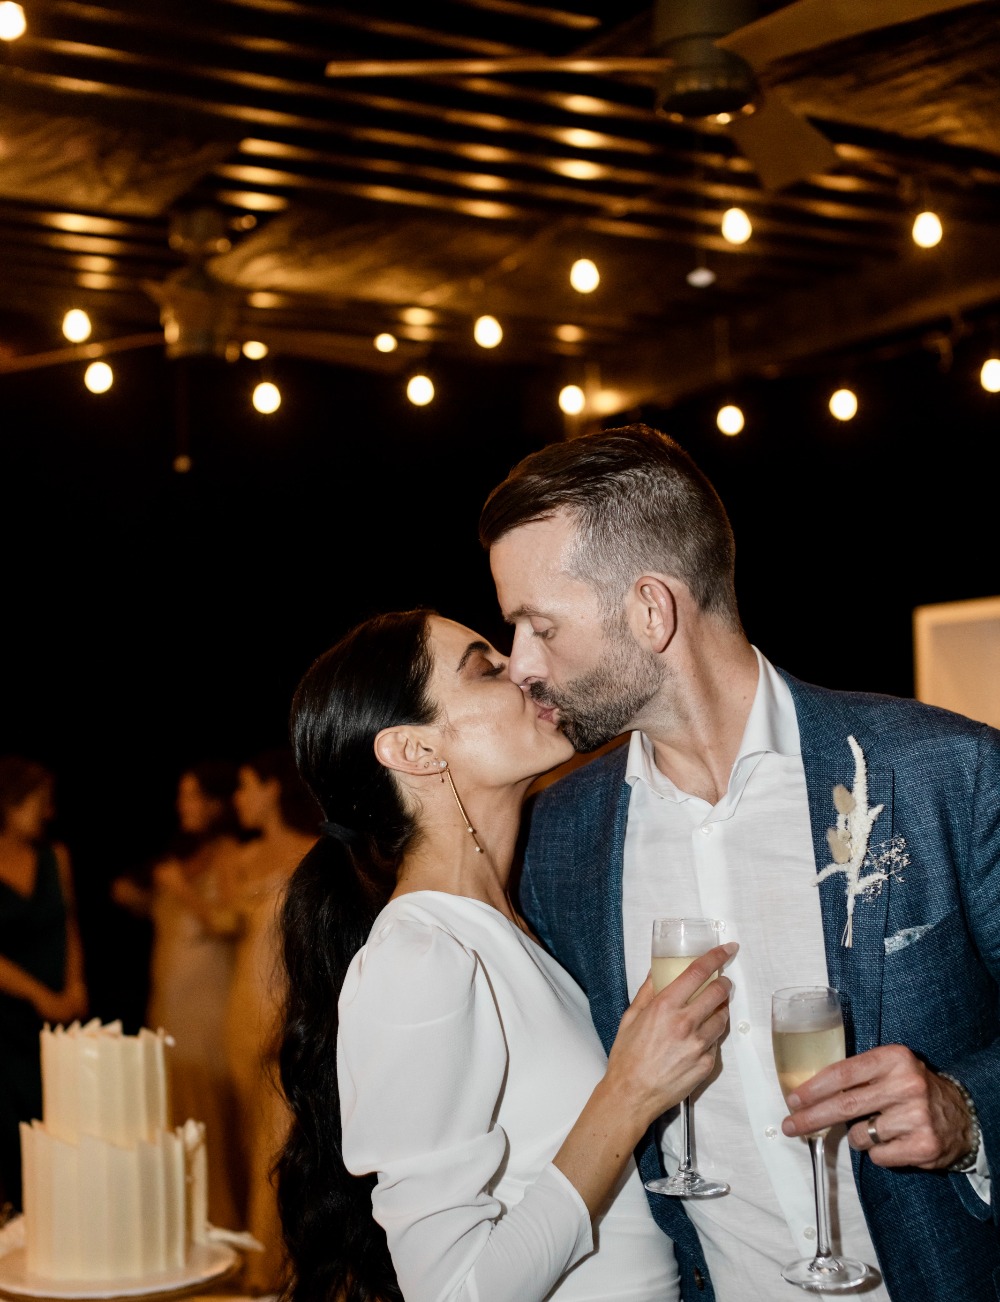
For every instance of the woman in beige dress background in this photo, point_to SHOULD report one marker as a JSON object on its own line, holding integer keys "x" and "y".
{"x": 191, "y": 966}
{"x": 272, "y": 803}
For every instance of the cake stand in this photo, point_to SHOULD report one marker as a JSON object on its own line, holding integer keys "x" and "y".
{"x": 209, "y": 1264}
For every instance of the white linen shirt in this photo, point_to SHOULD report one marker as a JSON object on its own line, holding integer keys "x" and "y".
{"x": 747, "y": 861}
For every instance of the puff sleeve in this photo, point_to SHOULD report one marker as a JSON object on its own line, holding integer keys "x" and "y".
{"x": 422, "y": 1061}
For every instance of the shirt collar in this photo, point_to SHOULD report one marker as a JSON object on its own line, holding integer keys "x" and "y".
{"x": 771, "y": 727}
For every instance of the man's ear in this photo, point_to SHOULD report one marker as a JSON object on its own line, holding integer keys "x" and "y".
{"x": 406, "y": 750}
{"x": 653, "y": 616}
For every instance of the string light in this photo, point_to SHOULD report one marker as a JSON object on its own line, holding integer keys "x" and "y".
{"x": 420, "y": 390}
{"x": 255, "y": 350}
{"x": 98, "y": 377}
{"x": 76, "y": 325}
{"x": 730, "y": 419}
{"x": 736, "y": 227}
{"x": 584, "y": 276}
{"x": 386, "y": 343}
{"x": 927, "y": 229}
{"x": 266, "y": 398}
{"x": 843, "y": 404}
{"x": 572, "y": 400}
{"x": 487, "y": 332}
{"x": 12, "y": 21}
{"x": 989, "y": 375}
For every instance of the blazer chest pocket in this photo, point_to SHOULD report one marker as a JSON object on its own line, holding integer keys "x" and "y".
{"x": 937, "y": 996}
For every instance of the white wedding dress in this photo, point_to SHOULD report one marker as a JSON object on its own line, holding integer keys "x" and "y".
{"x": 465, "y": 1055}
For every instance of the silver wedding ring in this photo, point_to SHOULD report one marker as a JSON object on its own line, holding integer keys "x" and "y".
{"x": 872, "y": 1132}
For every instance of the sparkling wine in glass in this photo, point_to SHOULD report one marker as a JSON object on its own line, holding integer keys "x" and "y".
{"x": 807, "y": 1032}
{"x": 677, "y": 942}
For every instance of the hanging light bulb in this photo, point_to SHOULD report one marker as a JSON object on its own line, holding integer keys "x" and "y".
{"x": 12, "y": 21}
{"x": 927, "y": 229}
{"x": 266, "y": 398}
{"x": 736, "y": 227}
{"x": 989, "y": 375}
{"x": 584, "y": 276}
{"x": 386, "y": 343}
{"x": 730, "y": 419}
{"x": 420, "y": 390}
{"x": 844, "y": 404}
{"x": 487, "y": 332}
{"x": 572, "y": 400}
{"x": 255, "y": 350}
{"x": 76, "y": 325}
{"x": 98, "y": 377}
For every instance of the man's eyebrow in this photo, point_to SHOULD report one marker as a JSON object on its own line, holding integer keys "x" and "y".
{"x": 522, "y": 612}
{"x": 474, "y": 648}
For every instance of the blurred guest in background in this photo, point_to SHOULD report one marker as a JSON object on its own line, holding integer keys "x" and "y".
{"x": 190, "y": 901}
{"x": 273, "y": 803}
{"x": 41, "y": 957}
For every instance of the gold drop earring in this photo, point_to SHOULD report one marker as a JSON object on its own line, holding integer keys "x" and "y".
{"x": 446, "y": 773}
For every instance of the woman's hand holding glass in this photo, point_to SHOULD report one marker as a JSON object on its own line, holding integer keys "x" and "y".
{"x": 666, "y": 1042}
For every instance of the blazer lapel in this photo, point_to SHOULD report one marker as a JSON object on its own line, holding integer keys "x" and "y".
{"x": 609, "y": 989}
{"x": 855, "y": 970}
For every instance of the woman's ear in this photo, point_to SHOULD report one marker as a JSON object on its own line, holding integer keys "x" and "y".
{"x": 405, "y": 750}
{"x": 654, "y": 612}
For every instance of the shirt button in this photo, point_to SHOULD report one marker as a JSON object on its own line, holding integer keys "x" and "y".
{"x": 809, "y": 1232}
{"x": 770, "y": 1131}
{"x": 707, "y": 830}
{"x": 743, "y": 1028}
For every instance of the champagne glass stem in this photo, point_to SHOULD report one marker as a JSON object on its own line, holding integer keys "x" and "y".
{"x": 685, "y": 1163}
{"x": 816, "y": 1152}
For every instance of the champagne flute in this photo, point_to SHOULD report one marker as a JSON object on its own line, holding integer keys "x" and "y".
{"x": 807, "y": 1032}
{"x": 677, "y": 942}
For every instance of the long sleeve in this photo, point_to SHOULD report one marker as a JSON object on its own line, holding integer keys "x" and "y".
{"x": 422, "y": 1063}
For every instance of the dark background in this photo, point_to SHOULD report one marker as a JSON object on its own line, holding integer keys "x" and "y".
{"x": 154, "y": 618}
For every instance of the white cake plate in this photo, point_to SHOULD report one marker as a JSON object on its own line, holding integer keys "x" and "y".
{"x": 209, "y": 1261}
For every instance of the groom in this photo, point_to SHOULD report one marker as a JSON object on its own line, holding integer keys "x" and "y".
{"x": 844, "y": 839}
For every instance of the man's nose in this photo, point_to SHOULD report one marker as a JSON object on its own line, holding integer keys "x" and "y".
{"x": 525, "y": 664}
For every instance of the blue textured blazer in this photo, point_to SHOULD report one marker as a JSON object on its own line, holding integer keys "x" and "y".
{"x": 922, "y": 971}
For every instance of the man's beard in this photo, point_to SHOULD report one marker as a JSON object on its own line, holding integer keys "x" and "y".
{"x": 603, "y": 704}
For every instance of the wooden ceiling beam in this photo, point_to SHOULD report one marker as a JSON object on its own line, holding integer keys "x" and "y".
{"x": 153, "y": 19}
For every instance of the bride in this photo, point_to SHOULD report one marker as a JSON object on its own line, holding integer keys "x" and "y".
{"x": 458, "y": 1132}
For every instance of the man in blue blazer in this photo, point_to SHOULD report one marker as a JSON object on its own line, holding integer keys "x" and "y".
{"x": 844, "y": 839}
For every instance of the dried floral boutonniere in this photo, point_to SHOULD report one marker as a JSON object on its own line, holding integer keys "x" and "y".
{"x": 848, "y": 843}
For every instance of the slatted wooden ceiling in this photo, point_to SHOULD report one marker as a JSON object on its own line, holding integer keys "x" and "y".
{"x": 414, "y": 203}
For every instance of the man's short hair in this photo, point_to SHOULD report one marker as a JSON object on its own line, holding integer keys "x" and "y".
{"x": 639, "y": 503}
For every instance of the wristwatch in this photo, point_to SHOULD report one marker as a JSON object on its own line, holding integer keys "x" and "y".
{"x": 966, "y": 1163}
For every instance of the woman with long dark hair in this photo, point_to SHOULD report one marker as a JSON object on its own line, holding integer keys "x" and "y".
{"x": 41, "y": 954}
{"x": 276, "y": 809}
{"x": 458, "y": 1131}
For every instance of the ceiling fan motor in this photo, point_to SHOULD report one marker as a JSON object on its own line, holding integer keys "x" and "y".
{"x": 702, "y": 80}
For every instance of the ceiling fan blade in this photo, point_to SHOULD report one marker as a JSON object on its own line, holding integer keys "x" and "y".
{"x": 598, "y": 66}
{"x": 90, "y": 352}
{"x": 782, "y": 145}
{"x": 807, "y": 24}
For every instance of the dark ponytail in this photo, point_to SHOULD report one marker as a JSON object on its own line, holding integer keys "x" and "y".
{"x": 372, "y": 679}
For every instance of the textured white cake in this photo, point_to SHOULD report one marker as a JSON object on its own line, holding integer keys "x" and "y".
{"x": 110, "y": 1190}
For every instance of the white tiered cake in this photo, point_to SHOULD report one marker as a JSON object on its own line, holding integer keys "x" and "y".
{"x": 110, "y": 1191}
